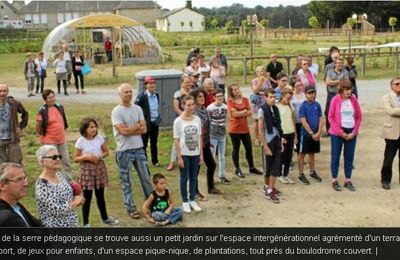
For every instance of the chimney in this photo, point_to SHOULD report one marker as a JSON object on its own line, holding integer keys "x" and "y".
{"x": 189, "y": 4}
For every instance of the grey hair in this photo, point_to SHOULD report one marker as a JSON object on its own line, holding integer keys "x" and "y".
{"x": 207, "y": 81}
{"x": 5, "y": 169}
{"x": 43, "y": 151}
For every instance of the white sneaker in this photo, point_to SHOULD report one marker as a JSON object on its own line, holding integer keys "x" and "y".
{"x": 186, "y": 207}
{"x": 283, "y": 180}
{"x": 194, "y": 206}
{"x": 289, "y": 180}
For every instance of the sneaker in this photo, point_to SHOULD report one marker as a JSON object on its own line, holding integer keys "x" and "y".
{"x": 239, "y": 173}
{"x": 276, "y": 192}
{"x": 87, "y": 226}
{"x": 349, "y": 185}
{"x": 315, "y": 176}
{"x": 283, "y": 180}
{"x": 254, "y": 170}
{"x": 225, "y": 181}
{"x": 265, "y": 188}
{"x": 336, "y": 186}
{"x": 272, "y": 197}
{"x": 194, "y": 206}
{"x": 289, "y": 180}
{"x": 302, "y": 178}
{"x": 186, "y": 207}
{"x": 111, "y": 221}
{"x": 215, "y": 191}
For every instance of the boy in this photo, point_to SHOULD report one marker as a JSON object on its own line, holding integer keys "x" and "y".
{"x": 270, "y": 132}
{"x": 311, "y": 119}
{"x": 159, "y": 207}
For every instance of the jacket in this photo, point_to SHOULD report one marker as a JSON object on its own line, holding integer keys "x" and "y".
{"x": 76, "y": 63}
{"x": 34, "y": 68}
{"x": 17, "y": 108}
{"x": 9, "y": 218}
{"x": 142, "y": 100}
{"x": 271, "y": 121}
{"x": 43, "y": 111}
{"x": 335, "y": 115}
{"x": 391, "y": 121}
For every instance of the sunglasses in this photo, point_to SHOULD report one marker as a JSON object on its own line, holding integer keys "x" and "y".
{"x": 53, "y": 157}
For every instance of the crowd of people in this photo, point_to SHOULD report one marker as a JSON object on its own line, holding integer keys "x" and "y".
{"x": 288, "y": 122}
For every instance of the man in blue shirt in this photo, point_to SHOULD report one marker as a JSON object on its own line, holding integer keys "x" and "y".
{"x": 149, "y": 101}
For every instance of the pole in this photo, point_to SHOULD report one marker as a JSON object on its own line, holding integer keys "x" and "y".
{"x": 251, "y": 43}
{"x": 350, "y": 41}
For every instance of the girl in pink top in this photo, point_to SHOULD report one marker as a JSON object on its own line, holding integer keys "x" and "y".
{"x": 345, "y": 119}
{"x": 305, "y": 75}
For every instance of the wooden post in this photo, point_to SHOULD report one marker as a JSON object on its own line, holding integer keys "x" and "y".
{"x": 288, "y": 64}
{"x": 396, "y": 61}
{"x": 364, "y": 63}
{"x": 244, "y": 70}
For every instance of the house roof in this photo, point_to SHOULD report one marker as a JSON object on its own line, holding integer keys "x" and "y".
{"x": 173, "y": 11}
{"x": 10, "y": 6}
{"x": 83, "y": 6}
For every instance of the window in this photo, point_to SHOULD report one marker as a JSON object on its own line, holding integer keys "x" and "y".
{"x": 68, "y": 16}
{"x": 60, "y": 17}
{"x": 36, "y": 19}
{"x": 28, "y": 18}
{"x": 1, "y": 7}
{"x": 43, "y": 18}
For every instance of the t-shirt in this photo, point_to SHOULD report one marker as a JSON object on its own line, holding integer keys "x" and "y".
{"x": 238, "y": 125}
{"x": 296, "y": 103}
{"x": 311, "y": 112}
{"x": 160, "y": 203}
{"x": 286, "y": 114}
{"x": 275, "y": 132}
{"x": 188, "y": 133}
{"x": 55, "y": 132}
{"x": 5, "y": 121}
{"x": 274, "y": 69}
{"x": 347, "y": 112}
{"x": 178, "y": 96}
{"x": 61, "y": 66}
{"x": 333, "y": 75}
{"x": 90, "y": 146}
{"x": 218, "y": 119}
{"x": 128, "y": 116}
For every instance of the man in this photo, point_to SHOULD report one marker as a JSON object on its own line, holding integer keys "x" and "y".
{"x": 149, "y": 101}
{"x": 51, "y": 124}
{"x": 108, "y": 49}
{"x": 128, "y": 126}
{"x": 10, "y": 128}
{"x": 332, "y": 51}
{"x": 333, "y": 77}
{"x": 273, "y": 69}
{"x": 221, "y": 57}
{"x": 13, "y": 187}
{"x": 391, "y": 130}
{"x": 68, "y": 61}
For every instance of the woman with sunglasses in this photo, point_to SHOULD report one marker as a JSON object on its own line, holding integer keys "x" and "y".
{"x": 305, "y": 75}
{"x": 55, "y": 199}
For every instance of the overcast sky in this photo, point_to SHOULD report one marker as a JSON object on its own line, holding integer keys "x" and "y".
{"x": 171, "y": 4}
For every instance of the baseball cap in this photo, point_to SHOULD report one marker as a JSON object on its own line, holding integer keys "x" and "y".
{"x": 310, "y": 89}
{"x": 149, "y": 79}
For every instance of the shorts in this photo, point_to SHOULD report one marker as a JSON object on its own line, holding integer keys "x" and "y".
{"x": 308, "y": 145}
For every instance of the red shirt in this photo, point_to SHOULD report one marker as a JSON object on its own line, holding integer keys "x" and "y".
{"x": 238, "y": 125}
{"x": 108, "y": 45}
{"x": 210, "y": 98}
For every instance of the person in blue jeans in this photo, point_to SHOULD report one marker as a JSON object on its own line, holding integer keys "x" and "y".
{"x": 345, "y": 120}
{"x": 159, "y": 208}
{"x": 188, "y": 143}
{"x": 128, "y": 126}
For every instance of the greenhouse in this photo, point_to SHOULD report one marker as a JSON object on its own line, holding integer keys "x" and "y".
{"x": 132, "y": 43}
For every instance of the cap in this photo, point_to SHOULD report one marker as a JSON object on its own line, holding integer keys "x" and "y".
{"x": 149, "y": 79}
{"x": 310, "y": 89}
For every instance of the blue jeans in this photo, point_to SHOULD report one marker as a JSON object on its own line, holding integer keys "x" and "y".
{"x": 337, "y": 143}
{"x": 176, "y": 215}
{"x": 189, "y": 173}
{"x": 219, "y": 142}
{"x": 138, "y": 158}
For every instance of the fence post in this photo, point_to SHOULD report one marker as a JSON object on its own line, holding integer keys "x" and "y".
{"x": 396, "y": 61}
{"x": 244, "y": 70}
{"x": 288, "y": 65}
{"x": 364, "y": 63}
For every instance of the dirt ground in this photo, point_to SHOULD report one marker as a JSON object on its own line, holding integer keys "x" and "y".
{"x": 316, "y": 205}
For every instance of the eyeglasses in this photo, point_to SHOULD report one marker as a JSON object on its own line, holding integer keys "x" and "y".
{"x": 17, "y": 180}
{"x": 218, "y": 96}
{"x": 53, "y": 157}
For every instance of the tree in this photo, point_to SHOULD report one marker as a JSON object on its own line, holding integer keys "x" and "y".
{"x": 264, "y": 22}
{"x": 351, "y": 22}
{"x": 214, "y": 23}
{"x": 203, "y": 24}
{"x": 392, "y": 22}
{"x": 228, "y": 26}
{"x": 191, "y": 25}
{"x": 182, "y": 24}
{"x": 245, "y": 26}
{"x": 313, "y": 22}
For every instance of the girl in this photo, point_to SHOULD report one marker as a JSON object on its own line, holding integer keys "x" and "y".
{"x": 90, "y": 149}
{"x": 77, "y": 64}
{"x": 30, "y": 73}
{"x": 61, "y": 72}
{"x": 297, "y": 99}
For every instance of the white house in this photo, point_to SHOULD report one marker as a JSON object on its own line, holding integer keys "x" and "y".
{"x": 181, "y": 20}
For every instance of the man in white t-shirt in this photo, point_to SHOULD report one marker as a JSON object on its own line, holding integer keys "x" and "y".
{"x": 128, "y": 126}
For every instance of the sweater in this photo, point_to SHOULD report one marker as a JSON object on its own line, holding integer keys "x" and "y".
{"x": 335, "y": 115}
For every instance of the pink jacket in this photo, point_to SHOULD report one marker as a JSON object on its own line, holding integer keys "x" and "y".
{"x": 335, "y": 115}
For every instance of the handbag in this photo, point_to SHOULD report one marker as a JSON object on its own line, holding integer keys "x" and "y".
{"x": 255, "y": 98}
{"x": 86, "y": 69}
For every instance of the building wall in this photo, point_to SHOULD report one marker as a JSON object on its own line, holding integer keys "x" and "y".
{"x": 162, "y": 24}
{"x": 186, "y": 15}
{"x": 6, "y": 13}
{"x": 143, "y": 16}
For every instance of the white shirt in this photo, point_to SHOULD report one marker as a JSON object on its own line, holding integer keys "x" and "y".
{"x": 189, "y": 134}
{"x": 347, "y": 111}
{"x": 90, "y": 146}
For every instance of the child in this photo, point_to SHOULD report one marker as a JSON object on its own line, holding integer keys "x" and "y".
{"x": 159, "y": 207}
{"x": 270, "y": 133}
{"x": 30, "y": 73}
{"x": 218, "y": 112}
{"x": 90, "y": 149}
{"x": 311, "y": 118}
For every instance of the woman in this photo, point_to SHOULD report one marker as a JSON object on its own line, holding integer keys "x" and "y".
{"x": 55, "y": 200}
{"x": 239, "y": 110}
{"x": 208, "y": 86}
{"x": 201, "y": 111}
{"x": 305, "y": 75}
{"x": 345, "y": 119}
{"x": 282, "y": 81}
{"x": 258, "y": 87}
{"x": 218, "y": 73}
{"x": 289, "y": 137}
{"x": 41, "y": 68}
{"x": 30, "y": 73}
{"x": 77, "y": 64}
{"x": 61, "y": 72}
{"x": 297, "y": 99}
{"x": 188, "y": 143}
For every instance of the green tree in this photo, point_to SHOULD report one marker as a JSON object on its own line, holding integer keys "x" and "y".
{"x": 313, "y": 22}
{"x": 245, "y": 26}
{"x": 351, "y": 22}
{"x": 214, "y": 23}
{"x": 229, "y": 26}
{"x": 392, "y": 22}
{"x": 264, "y": 22}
